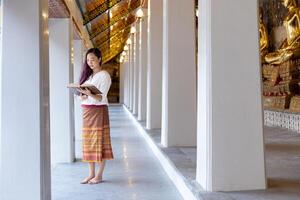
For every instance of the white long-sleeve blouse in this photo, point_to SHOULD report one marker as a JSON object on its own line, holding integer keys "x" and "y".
{"x": 102, "y": 81}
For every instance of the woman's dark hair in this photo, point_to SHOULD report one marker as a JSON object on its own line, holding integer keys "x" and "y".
{"x": 86, "y": 70}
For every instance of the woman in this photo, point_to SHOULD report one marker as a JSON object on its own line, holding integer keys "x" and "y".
{"x": 96, "y": 144}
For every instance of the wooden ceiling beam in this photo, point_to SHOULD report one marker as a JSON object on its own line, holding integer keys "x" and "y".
{"x": 114, "y": 20}
{"x": 115, "y": 35}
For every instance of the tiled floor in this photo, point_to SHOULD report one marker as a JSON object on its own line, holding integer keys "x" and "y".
{"x": 184, "y": 158}
{"x": 134, "y": 173}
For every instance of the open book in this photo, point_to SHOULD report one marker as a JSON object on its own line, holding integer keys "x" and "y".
{"x": 92, "y": 88}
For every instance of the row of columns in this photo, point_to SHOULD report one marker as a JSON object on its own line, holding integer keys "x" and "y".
{"x": 162, "y": 82}
{"x": 201, "y": 105}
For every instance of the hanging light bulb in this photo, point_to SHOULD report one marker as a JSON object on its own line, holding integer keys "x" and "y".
{"x": 128, "y": 41}
{"x": 121, "y": 58}
{"x": 133, "y": 29}
{"x": 140, "y": 13}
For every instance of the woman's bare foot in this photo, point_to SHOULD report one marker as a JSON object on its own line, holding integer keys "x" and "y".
{"x": 87, "y": 179}
{"x": 95, "y": 180}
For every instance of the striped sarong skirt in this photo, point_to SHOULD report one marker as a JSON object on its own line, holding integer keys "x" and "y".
{"x": 96, "y": 142}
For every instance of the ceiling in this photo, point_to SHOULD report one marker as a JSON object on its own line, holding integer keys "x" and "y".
{"x": 58, "y": 9}
{"x": 108, "y": 23}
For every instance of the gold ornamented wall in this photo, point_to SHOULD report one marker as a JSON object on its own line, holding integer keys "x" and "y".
{"x": 280, "y": 74}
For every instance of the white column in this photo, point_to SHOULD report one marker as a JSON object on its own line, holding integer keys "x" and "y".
{"x": 78, "y": 62}
{"x": 230, "y": 148}
{"x": 127, "y": 90}
{"x": 154, "y": 71}
{"x": 142, "y": 108}
{"x": 131, "y": 73}
{"x": 25, "y": 135}
{"x": 61, "y": 100}
{"x": 179, "y": 74}
{"x": 125, "y": 78}
{"x": 136, "y": 71}
{"x": 121, "y": 82}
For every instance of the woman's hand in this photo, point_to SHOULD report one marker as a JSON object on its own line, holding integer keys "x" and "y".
{"x": 86, "y": 92}
{"x": 83, "y": 97}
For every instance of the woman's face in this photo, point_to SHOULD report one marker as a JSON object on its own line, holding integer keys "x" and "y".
{"x": 93, "y": 61}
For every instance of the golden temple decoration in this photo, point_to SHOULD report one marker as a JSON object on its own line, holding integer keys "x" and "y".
{"x": 295, "y": 105}
{"x": 264, "y": 39}
{"x": 281, "y": 74}
{"x": 291, "y": 46}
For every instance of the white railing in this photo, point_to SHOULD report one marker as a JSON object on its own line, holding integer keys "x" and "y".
{"x": 282, "y": 119}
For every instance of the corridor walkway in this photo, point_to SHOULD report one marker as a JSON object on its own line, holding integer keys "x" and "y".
{"x": 133, "y": 174}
